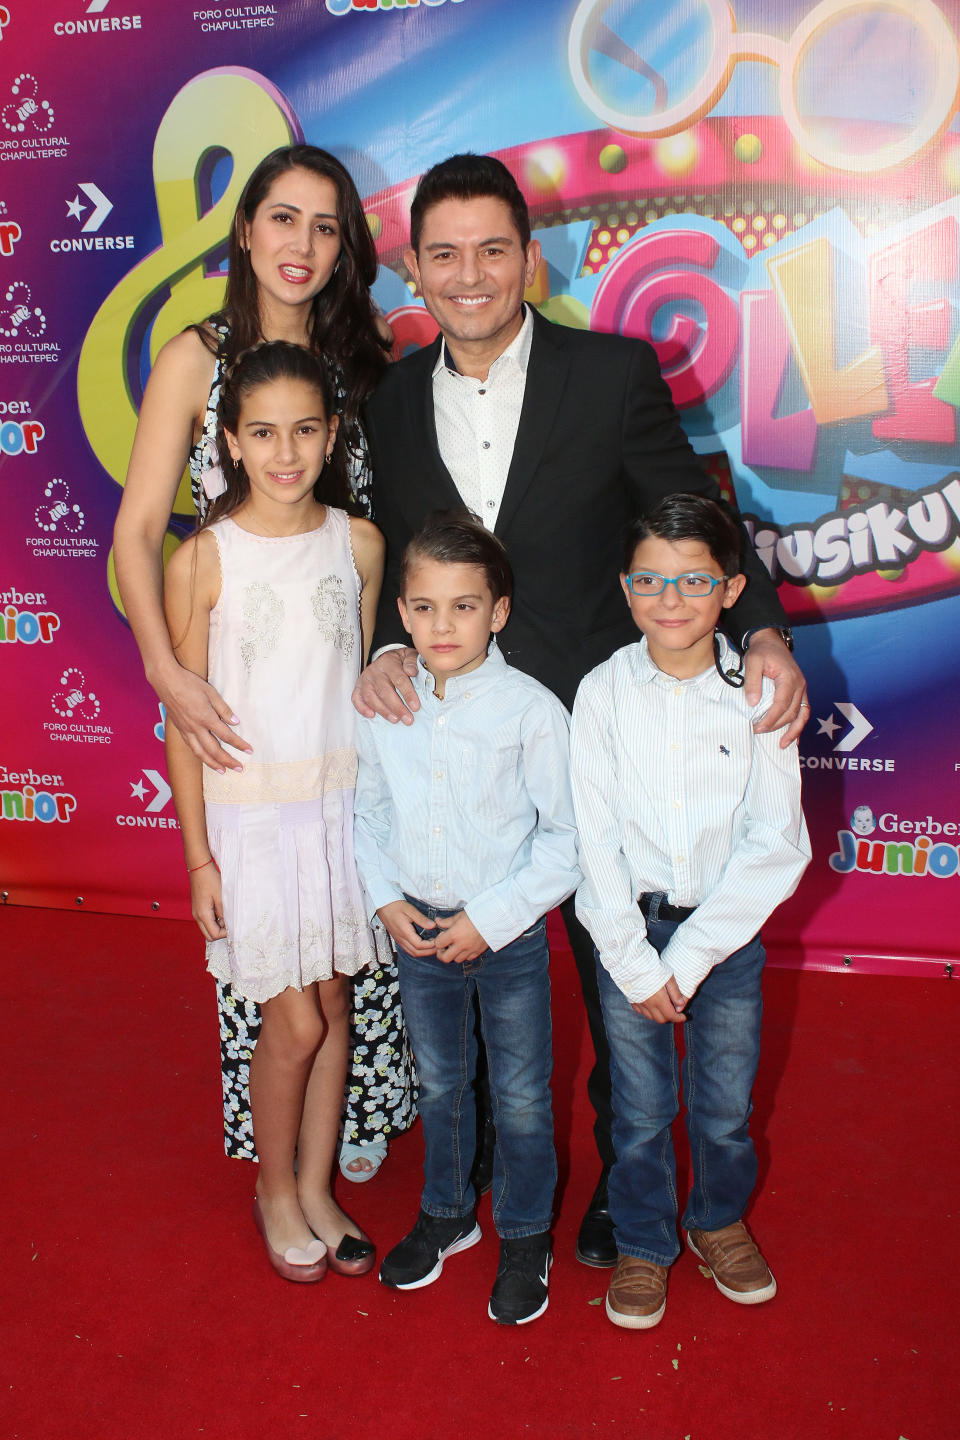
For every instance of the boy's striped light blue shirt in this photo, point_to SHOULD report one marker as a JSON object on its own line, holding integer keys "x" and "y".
{"x": 470, "y": 806}
{"x": 675, "y": 792}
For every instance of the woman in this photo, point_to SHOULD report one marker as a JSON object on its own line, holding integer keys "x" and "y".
{"x": 302, "y": 262}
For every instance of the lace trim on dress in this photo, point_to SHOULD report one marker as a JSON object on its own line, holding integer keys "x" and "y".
{"x": 282, "y": 782}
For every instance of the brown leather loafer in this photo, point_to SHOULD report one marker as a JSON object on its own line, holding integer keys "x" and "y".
{"x": 637, "y": 1296}
{"x": 739, "y": 1270}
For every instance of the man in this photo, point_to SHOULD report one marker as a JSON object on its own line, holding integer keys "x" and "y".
{"x": 556, "y": 438}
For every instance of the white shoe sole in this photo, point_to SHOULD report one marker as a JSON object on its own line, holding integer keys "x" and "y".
{"x": 635, "y": 1322}
{"x": 739, "y": 1297}
{"x": 527, "y": 1318}
{"x": 465, "y": 1242}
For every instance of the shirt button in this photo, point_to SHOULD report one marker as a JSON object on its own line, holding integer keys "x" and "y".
{"x": 483, "y": 391}
{"x": 485, "y": 444}
{"x": 441, "y": 720}
{"x": 681, "y": 860}
{"x": 438, "y": 774}
{"x": 437, "y": 830}
{"x": 676, "y": 804}
{"x": 674, "y": 746}
{"x": 437, "y": 885}
{"x": 677, "y": 690}
{"x": 491, "y": 504}
{"x": 466, "y": 694}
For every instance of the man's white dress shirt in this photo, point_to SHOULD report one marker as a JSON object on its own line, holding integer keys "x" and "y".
{"x": 477, "y": 422}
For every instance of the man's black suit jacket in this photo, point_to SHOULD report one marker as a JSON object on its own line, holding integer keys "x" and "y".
{"x": 599, "y": 441}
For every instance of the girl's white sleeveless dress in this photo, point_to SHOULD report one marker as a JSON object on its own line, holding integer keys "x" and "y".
{"x": 285, "y": 646}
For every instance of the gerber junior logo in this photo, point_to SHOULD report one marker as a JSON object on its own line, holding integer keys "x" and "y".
{"x": 905, "y": 845}
{"x": 10, "y": 233}
{"x": 23, "y": 620}
{"x": 32, "y": 796}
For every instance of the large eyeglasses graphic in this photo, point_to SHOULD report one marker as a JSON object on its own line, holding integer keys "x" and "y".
{"x": 692, "y": 586}
{"x": 886, "y": 71}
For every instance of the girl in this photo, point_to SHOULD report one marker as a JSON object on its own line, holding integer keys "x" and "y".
{"x": 301, "y": 265}
{"x": 271, "y": 600}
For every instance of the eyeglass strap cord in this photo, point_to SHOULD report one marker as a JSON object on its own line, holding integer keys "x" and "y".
{"x": 734, "y": 676}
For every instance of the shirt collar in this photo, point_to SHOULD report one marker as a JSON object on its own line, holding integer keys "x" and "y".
{"x": 517, "y": 352}
{"x": 645, "y": 670}
{"x": 460, "y": 686}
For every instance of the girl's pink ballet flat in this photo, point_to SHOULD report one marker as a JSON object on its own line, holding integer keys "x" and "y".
{"x": 303, "y": 1267}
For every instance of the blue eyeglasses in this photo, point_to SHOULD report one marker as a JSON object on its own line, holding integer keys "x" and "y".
{"x": 692, "y": 587}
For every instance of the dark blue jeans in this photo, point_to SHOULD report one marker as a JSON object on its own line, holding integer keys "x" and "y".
{"x": 722, "y": 1041}
{"x": 513, "y": 989}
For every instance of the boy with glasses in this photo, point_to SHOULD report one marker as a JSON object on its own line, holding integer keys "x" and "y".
{"x": 691, "y": 834}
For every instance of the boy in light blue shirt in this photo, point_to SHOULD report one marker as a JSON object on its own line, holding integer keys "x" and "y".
{"x": 465, "y": 838}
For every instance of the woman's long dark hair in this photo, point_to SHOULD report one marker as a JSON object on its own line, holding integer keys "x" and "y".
{"x": 262, "y": 365}
{"x": 343, "y": 323}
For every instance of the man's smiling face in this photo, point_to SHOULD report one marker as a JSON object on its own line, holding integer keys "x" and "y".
{"x": 472, "y": 270}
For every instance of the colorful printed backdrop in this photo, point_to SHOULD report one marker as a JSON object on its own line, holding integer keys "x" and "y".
{"x": 770, "y": 192}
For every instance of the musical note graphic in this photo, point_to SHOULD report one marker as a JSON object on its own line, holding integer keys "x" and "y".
{"x": 229, "y": 111}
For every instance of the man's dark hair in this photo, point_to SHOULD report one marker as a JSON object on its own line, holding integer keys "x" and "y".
{"x": 457, "y": 537}
{"x": 689, "y": 517}
{"x": 468, "y": 177}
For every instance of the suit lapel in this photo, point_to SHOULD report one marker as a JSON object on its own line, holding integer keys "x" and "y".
{"x": 436, "y": 479}
{"x": 546, "y": 376}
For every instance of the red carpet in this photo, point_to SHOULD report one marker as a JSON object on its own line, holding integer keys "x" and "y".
{"x": 137, "y": 1301}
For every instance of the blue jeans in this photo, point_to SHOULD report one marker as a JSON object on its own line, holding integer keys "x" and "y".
{"x": 722, "y": 1040}
{"x": 513, "y": 989}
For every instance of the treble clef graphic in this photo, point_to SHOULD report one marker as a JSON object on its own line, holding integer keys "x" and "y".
{"x": 227, "y": 112}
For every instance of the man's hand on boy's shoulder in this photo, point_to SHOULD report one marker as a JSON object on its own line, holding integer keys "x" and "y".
{"x": 384, "y": 687}
{"x": 401, "y": 921}
{"x": 665, "y": 1007}
{"x": 768, "y": 655}
{"x": 459, "y": 939}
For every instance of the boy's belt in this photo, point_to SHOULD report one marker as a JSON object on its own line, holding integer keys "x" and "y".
{"x": 674, "y": 913}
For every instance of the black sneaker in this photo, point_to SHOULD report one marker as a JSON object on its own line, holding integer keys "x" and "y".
{"x": 520, "y": 1289}
{"x": 419, "y": 1257}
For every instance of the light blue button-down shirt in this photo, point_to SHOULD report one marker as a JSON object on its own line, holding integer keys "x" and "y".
{"x": 470, "y": 806}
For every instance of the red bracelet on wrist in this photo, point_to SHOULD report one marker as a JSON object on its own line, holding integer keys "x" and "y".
{"x": 192, "y": 868}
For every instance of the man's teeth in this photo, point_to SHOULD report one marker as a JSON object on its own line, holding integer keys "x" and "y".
{"x": 471, "y": 299}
